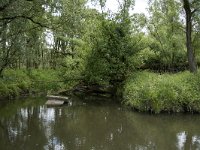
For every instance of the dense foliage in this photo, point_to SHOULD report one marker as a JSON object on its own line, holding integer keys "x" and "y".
{"x": 57, "y": 44}
{"x": 20, "y": 82}
{"x": 147, "y": 91}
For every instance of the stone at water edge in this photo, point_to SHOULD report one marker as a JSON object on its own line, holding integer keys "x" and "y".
{"x": 55, "y": 102}
{"x": 57, "y": 97}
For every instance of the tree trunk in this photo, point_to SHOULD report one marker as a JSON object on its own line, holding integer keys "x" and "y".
{"x": 190, "y": 50}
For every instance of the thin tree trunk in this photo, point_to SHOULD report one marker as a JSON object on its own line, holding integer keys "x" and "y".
{"x": 190, "y": 50}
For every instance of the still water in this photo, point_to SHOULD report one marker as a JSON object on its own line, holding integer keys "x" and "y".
{"x": 92, "y": 125}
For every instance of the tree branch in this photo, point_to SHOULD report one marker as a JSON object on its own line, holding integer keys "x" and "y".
{"x": 194, "y": 11}
{"x": 25, "y": 17}
{"x": 17, "y": 33}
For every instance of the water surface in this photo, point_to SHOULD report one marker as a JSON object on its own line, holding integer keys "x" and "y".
{"x": 30, "y": 125}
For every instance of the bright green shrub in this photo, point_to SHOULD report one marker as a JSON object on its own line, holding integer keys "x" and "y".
{"x": 45, "y": 81}
{"x": 17, "y": 82}
{"x": 146, "y": 91}
{"x": 13, "y": 83}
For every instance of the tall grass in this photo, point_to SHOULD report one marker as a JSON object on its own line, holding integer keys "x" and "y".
{"x": 18, "y": 82}
{"x": 147, "y": 91}
{"x": 46, "y": 80}
{"x": 13, "y": 83}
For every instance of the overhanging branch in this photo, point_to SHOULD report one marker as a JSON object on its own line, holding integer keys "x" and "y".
{"x": 25, "y": 17}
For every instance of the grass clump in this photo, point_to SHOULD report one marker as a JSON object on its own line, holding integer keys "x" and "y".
{"x": 32, "y": 82}
{"x": 46, "y": 80}
{"x": 14, "y": 83}
{"x": 147, "y": 91}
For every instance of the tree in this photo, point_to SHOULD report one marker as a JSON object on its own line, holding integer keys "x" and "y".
{"x": 165, "y": 35}
{"x": 18, "y": 19}
{"x": 190, "y": 7}
{"x": 69, "y": 44}
{"x": 113, "y": 48}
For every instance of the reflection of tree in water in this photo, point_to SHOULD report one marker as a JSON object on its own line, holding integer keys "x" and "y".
{"x": 165, "y": 131}
{"x": 23, "y": 130}
{"x": 181, "y": 139}
{"x": 196, "y": 141}
{"x": 110, "y": 128}
{"x": 54, "y": 144}
{"x": 187, "y": 142}
{"x": 47, "y": 118}
{"x": 96, "y": 127}
{"x": 30, "y": 128}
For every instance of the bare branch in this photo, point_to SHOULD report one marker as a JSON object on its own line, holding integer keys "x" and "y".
{"x": 194, "y": 11}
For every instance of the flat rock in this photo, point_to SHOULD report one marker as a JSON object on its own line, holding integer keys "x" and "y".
{"x": 52, "y": 97}
{"x": 54, "y": 102}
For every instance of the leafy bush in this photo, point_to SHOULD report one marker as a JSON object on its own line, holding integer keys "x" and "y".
{"x": 45, "y": 80}
{"x": 146, "y": 91}
{"x": 16, "y": 82}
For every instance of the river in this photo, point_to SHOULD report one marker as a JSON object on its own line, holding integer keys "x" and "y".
{"x": 93, "y": 124}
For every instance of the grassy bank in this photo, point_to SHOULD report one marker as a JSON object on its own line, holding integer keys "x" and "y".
{"x": 147, "y": 91}
{"x": 23, "y": 82}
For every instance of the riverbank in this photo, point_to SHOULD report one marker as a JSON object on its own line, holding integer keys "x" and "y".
{"x": 34, "y": 82}
{"x": 143, "y": 91}
{"x": 156, "y": 93}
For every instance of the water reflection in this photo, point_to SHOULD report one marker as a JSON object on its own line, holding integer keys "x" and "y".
{"x": 196, "y": 141}
{"x": 93, "y": 127}
{"x": 55, "y": 144}
{"x": 185, "y": 142}
{"x": 181, "y": 137}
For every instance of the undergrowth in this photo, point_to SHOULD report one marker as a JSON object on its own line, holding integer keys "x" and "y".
{"x": 147, "y": 91}
{"x": 19, "y": 82}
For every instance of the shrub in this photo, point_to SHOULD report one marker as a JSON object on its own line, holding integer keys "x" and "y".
{"x": 16, "y": 82}
{"x": 147, "y": 91}
{"x": 45, "y": 80}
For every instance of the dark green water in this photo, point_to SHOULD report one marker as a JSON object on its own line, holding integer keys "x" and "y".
{"x": 30, "y": 125}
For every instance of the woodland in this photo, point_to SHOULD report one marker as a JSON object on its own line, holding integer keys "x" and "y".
{"x": 147, "y": 62}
